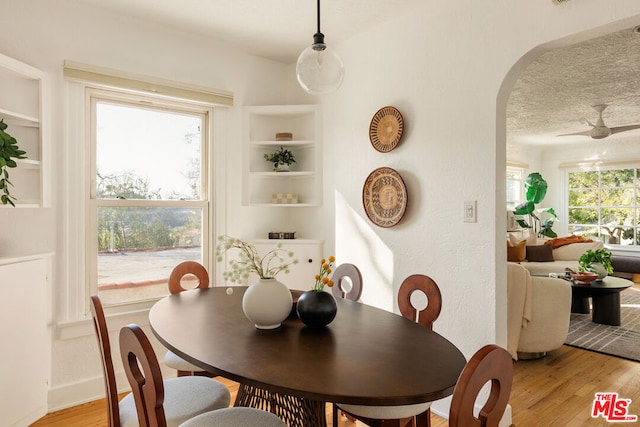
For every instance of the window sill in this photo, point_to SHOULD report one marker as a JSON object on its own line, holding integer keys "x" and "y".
{"x": 83, "y": 327}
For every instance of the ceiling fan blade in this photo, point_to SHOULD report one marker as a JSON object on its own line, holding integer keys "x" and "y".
{"x": 585, "y": 133}
{"x": 619, "y": 129}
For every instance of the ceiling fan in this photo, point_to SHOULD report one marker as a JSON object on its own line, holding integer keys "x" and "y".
{"x": 600, "y": 130}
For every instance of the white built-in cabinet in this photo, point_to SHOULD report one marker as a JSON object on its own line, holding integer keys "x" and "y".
{"x": 260, "y": 182}
{"x": 308, "y": 253}
{"x": 21, "y": 107}
{"x": 25, "y": 358}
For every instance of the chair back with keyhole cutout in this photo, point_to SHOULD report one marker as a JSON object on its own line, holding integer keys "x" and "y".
{"x": 188, "y": 268}
{"x": 144, "y": 375}
{"x": 340, "y": 275}
{"x": 425, "y": 284}
{"x": 491, "y": 364}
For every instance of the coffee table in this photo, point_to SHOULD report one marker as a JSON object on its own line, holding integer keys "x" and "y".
{"x": 605, "y": 298}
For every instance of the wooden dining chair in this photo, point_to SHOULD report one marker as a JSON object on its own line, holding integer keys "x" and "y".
{"x": 152, "y": 394}
{"x": 341, "y": 274}
{"x": 426, "y": 285}
{"x": 491, "y": 364}
{"x": 190, "y": 395}
{"x": 176, "y": 285}
{"x": 405, "y": 415}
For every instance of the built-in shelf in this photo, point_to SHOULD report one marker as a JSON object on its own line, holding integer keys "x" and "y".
{"x": 260, "y": 182}
{"x": 21, "y": 108}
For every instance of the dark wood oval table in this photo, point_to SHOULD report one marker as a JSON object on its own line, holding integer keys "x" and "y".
{"x": 366, "y": 356}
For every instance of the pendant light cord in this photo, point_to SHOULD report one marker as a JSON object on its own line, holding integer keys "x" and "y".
{"x": 318, "y": 37}
{"x": 318, "y": 16}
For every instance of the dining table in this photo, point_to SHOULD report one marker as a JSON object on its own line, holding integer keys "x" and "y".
{"x": 365, "y": 356}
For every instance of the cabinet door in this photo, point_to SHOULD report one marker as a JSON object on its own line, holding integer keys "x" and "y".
{"x": 308, "y": 254}
{"x": 24, "y": 359}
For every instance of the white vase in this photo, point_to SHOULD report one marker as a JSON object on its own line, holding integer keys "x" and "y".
{"x": 267, "y": 303}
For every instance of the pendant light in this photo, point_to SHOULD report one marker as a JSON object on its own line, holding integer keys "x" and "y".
{"x": 319, "y": 68}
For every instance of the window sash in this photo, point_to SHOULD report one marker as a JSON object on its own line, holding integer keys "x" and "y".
{"x": 599, "y": 208}
{"x": 92, "y": 97}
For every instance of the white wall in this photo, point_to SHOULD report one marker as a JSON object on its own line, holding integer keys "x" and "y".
{"x": 44, "y": 34}
{"x": 448, "y": 68}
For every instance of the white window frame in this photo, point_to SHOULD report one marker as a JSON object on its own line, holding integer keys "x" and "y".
{"x": 71, "y": 300}
{"x": 94, "y": 96}
{"x": 600, "y": 168}
{"x": 520, "y": 169}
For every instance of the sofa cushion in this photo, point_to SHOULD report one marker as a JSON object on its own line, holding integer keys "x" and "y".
{"x": 575, "y": 250}
{"x": 544, "y": 268}
{"x": 516, "y": 252}
{"x": 539, "y": 253}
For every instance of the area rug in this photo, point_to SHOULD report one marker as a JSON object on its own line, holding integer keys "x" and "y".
{"x": 621, "y": 341}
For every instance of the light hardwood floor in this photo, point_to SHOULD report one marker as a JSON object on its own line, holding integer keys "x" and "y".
{"x": 557, "y": 390}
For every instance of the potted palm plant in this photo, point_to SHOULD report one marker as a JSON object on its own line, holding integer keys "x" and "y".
{"x": 281, "y": 159}
{"x": 9, "y": 151}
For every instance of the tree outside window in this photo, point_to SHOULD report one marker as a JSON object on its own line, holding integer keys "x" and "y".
{"x": 605, "y": 204}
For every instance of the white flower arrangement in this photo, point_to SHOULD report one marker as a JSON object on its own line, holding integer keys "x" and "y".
{"x": 266, "y": 267}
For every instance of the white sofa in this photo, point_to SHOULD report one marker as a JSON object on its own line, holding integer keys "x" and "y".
{"x": 563, "y": 257}
{"x": 538, "y": 313}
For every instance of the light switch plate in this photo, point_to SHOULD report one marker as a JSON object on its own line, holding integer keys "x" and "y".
{"x": 470, "y": 211}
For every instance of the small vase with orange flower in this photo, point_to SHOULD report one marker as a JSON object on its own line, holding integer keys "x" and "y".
{"x": 317, "y": 308}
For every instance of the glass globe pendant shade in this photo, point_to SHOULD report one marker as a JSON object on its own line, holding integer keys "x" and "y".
{"x": 319, "y": 69}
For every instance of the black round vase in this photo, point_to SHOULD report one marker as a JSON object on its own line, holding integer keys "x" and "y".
{"x": 316, "y": 308}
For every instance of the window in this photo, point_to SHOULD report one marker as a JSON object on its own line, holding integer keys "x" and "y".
{"x": 514, "y": 186}
{"x": 148, "y": 204}
{"x": 605, "y": 204}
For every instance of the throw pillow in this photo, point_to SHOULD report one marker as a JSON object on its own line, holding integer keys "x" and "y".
{"x": 516, "y": 252}
{"x": 540, "y": 253}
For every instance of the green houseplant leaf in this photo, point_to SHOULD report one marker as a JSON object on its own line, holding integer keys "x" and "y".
{"x": 536, "y": 190}
{"x": 590, "y": 257}
{"x": 8, "y": 152}
{"x": 536, "y": 187}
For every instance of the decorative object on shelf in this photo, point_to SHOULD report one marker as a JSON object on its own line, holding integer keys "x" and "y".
{"x": 598, "y": 261}
{"x": 384, "y": 197}
{"x": 9, "y": 151}
{"x": 284, "y": 136}
{"x": 385, "y": 130}
{"x": 266, "y": 302}
{"x": 282, "y": 235}
{"x": 319, "y": 68}
{"x": 536, "y": 188}
{"x": 317, "y": 308}
{"x": 284, "y": 198}
{"x": 281, "y": 159}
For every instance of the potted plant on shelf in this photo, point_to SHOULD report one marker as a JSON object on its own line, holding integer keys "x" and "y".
{"x": 598, "y": 261}
{"x": 281, "y": 159}
{"x": 266, "y": 302}
{"x": 8, "y": 152}
{"x": 536, "y": 189}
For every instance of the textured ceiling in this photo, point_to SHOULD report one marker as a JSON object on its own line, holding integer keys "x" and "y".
{"x": 555, "y": 94}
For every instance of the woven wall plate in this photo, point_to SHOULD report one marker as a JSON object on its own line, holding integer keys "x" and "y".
{"x": 384, "y": 197}
{"x": 386, "y": 129}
